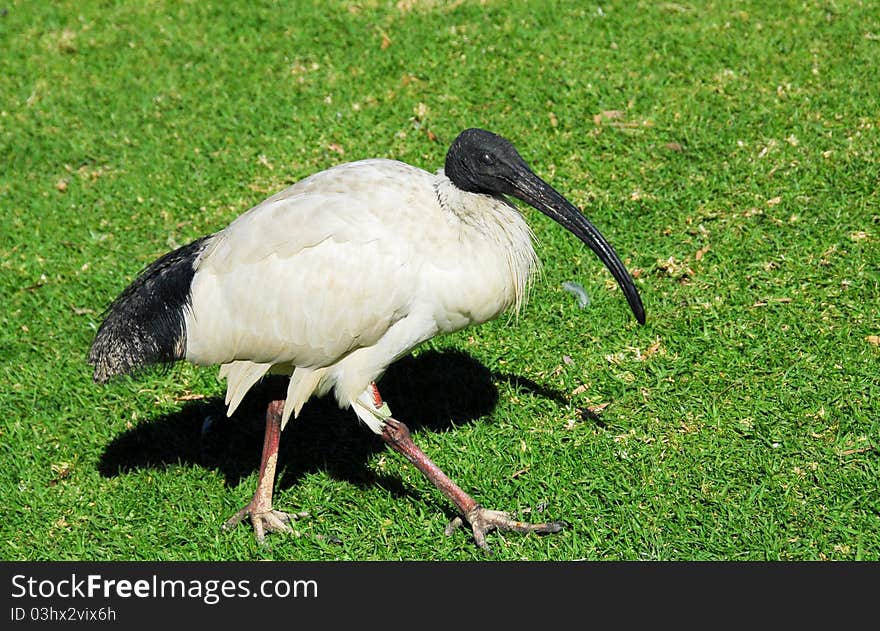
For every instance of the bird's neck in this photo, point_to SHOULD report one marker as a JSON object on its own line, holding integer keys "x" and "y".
{"x": 497, "y": 222}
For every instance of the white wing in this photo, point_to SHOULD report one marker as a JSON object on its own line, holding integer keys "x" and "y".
{"x": 344, "y": 272}
{"x": 310, "y": 275}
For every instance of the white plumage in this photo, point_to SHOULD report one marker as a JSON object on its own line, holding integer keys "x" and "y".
{"x": 353, "y": 267}
{"x": 333, "y": 279}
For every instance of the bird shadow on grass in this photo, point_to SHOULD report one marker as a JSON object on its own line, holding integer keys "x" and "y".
{"x": 432, "y": 392}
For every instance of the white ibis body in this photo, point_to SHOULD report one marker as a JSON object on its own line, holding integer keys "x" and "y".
{"x": 333, "y": 279}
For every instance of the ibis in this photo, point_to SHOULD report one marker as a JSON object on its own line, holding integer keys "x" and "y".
{"x": 338, "y": 276}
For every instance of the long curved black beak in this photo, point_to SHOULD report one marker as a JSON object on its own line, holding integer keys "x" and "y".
{"x": 536, "y": 192}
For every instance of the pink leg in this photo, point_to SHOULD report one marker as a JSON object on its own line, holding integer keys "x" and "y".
{"x": 482, "y": 521}
{"x": 259, "y": 509}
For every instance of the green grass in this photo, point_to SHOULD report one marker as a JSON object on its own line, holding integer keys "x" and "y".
{"x": 729, "y": 150}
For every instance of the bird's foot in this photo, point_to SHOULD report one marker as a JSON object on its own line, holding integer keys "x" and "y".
{"x": 484, "y": 521}
{"x": 264, "y": 521}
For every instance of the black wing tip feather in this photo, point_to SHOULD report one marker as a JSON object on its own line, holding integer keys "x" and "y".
{"x": 145, "y": 324}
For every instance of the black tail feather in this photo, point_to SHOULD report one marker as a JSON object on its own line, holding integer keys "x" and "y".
{"x": 145, "y": 324}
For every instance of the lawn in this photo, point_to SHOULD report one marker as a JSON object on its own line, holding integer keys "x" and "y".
{"x": 729, "y": 150}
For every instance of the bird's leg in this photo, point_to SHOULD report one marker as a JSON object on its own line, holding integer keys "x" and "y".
{"x": 263, "y": 518}
{"x": 482, "y": 520}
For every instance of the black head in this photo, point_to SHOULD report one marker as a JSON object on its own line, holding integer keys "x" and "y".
{"x": 479, "y": 161}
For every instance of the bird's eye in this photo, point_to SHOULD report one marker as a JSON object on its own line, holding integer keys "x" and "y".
{"x": 487, "y": 159}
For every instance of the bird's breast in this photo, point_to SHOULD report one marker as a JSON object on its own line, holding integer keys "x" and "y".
{"x": 484, "y": 261}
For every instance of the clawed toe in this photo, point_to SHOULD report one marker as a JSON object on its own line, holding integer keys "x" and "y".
{"x": 265, "y": 521}
{"x": 484, "y": 521}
